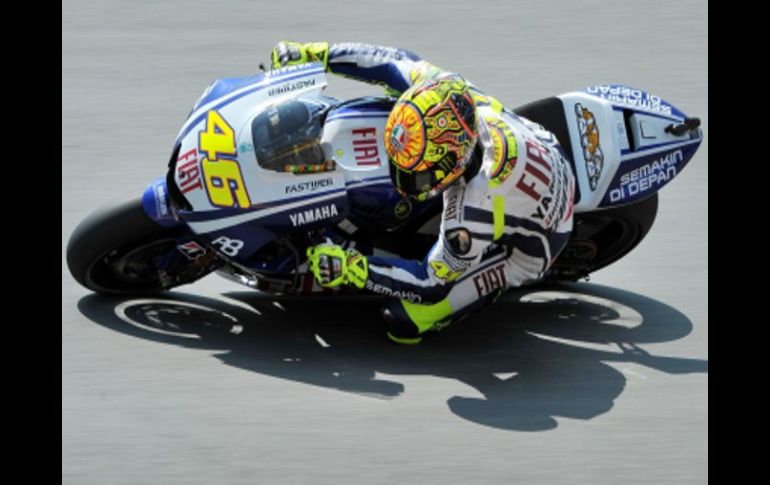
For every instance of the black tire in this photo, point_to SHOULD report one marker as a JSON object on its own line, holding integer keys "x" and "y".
{"x": 112, "y": 250}
{"x": 602, "y": 237}
{"x": 627, "y": 227}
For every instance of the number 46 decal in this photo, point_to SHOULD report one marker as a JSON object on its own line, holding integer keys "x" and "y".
{"x": 221, "y": 171}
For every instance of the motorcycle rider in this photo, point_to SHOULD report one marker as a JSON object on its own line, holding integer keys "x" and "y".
{"x": 507, "y": 190}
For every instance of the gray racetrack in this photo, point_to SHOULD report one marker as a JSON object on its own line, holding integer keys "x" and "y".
{"x": 604, "y": 382}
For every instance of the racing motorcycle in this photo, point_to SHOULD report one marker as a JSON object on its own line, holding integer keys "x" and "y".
{"x": 236, "y": 201}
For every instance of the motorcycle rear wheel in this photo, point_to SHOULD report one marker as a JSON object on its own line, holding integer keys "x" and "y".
{"x": 602, "y": 237}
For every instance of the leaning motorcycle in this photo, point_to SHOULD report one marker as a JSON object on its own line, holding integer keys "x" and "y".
{"x": 234, "y": 203}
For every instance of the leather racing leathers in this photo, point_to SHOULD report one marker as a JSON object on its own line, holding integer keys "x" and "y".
{"x": 500, "y": 228}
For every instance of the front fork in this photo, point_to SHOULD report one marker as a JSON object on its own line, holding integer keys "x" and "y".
{"x": 190, "y": 258}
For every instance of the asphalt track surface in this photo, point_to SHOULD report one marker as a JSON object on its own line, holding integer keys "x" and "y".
{"x": 600, "y": 382}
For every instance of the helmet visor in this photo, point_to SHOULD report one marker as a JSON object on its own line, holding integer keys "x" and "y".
{"x": 421, "y": 183}
{"x": 412, "y": 183}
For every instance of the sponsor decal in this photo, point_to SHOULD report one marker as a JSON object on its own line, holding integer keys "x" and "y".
{"x": 546, "y": 180}
{"x": 191, "y": 250}
{"x": 383, "y": 290}
{"x": 399, "y": 137}
{"x": 453, "y": 199}
{"x": 289, "y": 87}
{"x": 368, "y": 50}
{"x": 489, "y": 280}
{"x": 537, "y": 171}
{"x": 308, "y": 186}
{"x": 631, "y": 97}
{"x": 505, "y": 150}
{"x": 245, "y": 147}
{"x": 161, "y": 201}
{"x": 188, "y": 172}
{"x": 313, "y": 215}
{"x": 647, "y": 177}
{"x": 589, "y": 141}
{"x": 230, "y": 247}
{"x": 225, "y": 185}
{"x": 442, "y": 271}
{"x": 365, "y": 147}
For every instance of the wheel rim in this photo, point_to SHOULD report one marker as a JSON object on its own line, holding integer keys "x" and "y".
{"x": 129, "y": 268}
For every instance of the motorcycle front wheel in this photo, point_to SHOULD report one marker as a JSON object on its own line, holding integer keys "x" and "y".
{"x": 115, "y": 249}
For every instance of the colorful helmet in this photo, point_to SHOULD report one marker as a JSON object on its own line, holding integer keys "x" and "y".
{"x": 430, "y": 136}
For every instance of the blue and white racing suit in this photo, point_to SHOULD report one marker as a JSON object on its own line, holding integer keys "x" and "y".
{"x": 502, "y": 228}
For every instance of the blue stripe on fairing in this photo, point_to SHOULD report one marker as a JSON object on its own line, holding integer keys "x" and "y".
{"x": 266, "y": 83}
{"x": 201, "y": 216}
{"x": 258, "y": 231}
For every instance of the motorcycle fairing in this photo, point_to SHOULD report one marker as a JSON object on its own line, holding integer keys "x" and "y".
{"x": 621, "y": 149}
{"x": 353, "y": 135}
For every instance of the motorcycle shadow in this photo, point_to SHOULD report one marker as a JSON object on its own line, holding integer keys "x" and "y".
{"x": 536, "y": 354}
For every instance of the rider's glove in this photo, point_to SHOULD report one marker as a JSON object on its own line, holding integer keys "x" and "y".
{"x": 287, "y": 53}
{"x": 332, "y": 266}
